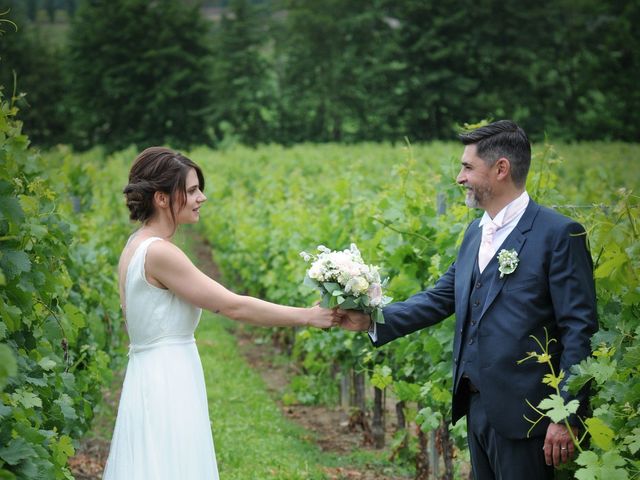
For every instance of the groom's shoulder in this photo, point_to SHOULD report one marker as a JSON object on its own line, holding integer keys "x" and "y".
{"x": 552, "y": 218}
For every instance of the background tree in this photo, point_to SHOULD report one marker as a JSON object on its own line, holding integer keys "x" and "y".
{"x": 243, "y": 83}
{"x": 140, "y": 74}
{"x": 337, "y": 72}
{"x": 34, "y": 68}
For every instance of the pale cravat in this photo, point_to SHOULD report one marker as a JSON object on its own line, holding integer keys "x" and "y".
{"x": 496, "y": 230}
{"x": 486, "y": 252}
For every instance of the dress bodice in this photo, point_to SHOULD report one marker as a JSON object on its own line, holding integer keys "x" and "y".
{"x": 154, "y": 314}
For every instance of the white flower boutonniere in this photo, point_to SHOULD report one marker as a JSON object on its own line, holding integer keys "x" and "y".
{"x": 508, "y": 261}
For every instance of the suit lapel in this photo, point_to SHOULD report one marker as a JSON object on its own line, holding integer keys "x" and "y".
{"x": 515, "y": 241}
{"x": 465, "y": 264}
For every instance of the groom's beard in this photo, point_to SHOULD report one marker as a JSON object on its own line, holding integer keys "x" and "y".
{"x": 477, "y": 196}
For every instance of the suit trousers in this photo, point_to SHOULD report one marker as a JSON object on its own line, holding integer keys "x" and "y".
{"x": 494, "y": 457}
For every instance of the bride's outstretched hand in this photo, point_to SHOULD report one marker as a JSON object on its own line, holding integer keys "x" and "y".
{"x": 320, "y": 317}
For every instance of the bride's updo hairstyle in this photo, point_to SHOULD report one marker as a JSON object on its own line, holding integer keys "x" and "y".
{"x": 158, "y": 169}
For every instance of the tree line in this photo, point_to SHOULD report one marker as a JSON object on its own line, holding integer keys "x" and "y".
{"x": 287, "y": 71}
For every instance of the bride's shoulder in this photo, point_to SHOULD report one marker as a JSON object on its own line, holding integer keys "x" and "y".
{"x": 164, "y": 252}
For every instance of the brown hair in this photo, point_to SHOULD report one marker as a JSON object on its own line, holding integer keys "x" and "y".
{"x": 158, "y": 169}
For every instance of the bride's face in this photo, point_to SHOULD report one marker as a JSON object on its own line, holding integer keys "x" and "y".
{"x": 190, "y": 212}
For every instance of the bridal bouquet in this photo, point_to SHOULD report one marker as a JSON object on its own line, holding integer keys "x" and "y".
{"x": 345, "y": 281}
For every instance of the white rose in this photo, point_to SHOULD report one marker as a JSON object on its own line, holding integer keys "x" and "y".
{"x": 316, "y": 272}
{"x": 357, "y": 285}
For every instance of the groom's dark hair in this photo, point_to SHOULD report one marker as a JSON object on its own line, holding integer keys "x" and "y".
{"x": 502, "y": 139}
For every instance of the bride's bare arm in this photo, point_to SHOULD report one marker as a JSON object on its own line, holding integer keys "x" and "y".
{"x": 167, "y": 264}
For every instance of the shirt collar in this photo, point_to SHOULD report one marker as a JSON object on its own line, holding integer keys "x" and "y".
{"x": 511, "y": 211}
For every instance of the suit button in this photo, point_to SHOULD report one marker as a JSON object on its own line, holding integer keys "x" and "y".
{"x": 478, "y": 285}
{"x": 460, "y": 330}
{"x": 471, "y": 341}
{"x": 455, "y": 360}
{"x": 473, "y": 322}
{"x": 476, "y": 303}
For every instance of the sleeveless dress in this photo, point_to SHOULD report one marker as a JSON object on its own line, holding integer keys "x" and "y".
{"x": 162, "y": 431}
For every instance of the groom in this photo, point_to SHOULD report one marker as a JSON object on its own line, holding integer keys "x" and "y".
{"x": 551, "y": 288}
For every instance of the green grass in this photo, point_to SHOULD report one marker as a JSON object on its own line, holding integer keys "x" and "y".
{"x": 252, "y": 438}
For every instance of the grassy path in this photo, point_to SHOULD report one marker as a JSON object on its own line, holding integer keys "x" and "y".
{"x": 253, "y": 440}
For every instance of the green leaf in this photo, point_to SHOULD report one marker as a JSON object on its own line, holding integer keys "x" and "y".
{"x": 428, "y": 419}
{"x": 66, "y": 406}
{"x": 409, "y": 392}
{"x": 553, "y": 380}
{"x": 6, "y": 475}
{"x": 556, "y": 409}
{"x": 5, "y": 410}
{"x": 331, "y": 286}
{"x": 601, "y": 468}
{"x": 16, "y": 451}
{"x": 8, "y": 364}
{"x": 14, "y": 263}
{"x": 381, "y": 377}
{"x": 10, "y": 208}
{"x": 11, "y": 315}
{"x": 589, "y": 460}
{"x": 600, "y": 432}
{"x": 633, "y": 441}
{"x": 377, "y": 316}
{"x": 75, "y": 316}
{"x": 349, "y": 303}
{"x": 309, "y": 282}
{"x": 631, "y": 358}
{"x": 605, "y": 269}
{"x": 62, "y": 450}
{"x": 46, "y": 363}
{"x": 326, "y": 300}
{"x": 26, "y": 398}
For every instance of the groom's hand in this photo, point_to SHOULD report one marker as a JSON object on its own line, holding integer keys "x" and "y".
{"x": 353, "y": 320}
{"x": 558, "y": 445}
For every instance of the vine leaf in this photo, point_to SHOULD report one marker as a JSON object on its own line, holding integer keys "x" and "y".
{"x": 556, "y": 409}
{"x": 601, "y": 468}
{"x": 552, "y": 380}
{"x": 16, "y": 451}
{"x": 381, "y": 377}
{"x": 600, "y": 432}
{"x": 633, "y": 440}
{"x": 62, "y": 449}
{"x": 26, "y": 398}
{"x": 8, "y": 364}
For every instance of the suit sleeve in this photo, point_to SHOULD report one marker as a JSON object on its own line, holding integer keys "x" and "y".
{"x": 574, "y": 300}
{"x": 419, "y": 311}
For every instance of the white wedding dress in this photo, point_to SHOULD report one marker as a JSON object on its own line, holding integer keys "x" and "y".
{"x": 162, "y": 430}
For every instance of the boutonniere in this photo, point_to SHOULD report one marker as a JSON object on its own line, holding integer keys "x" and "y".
{"x": 508, "y": 261}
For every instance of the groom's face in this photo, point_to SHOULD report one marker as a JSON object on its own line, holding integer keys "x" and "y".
{"x": 475, "y": 177}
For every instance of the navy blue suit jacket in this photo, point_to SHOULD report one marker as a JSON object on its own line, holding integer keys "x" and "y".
{"x": 551, "y": 288}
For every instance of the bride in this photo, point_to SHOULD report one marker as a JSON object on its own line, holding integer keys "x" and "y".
{"x": 162, "y": 429}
